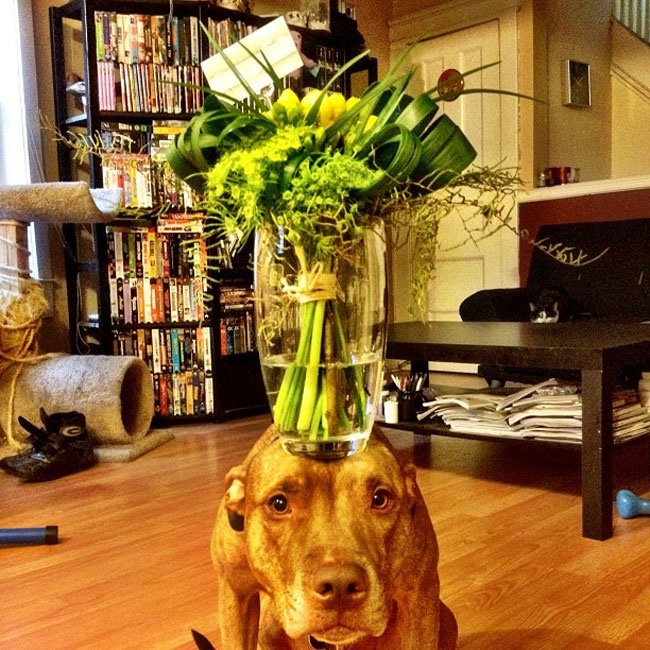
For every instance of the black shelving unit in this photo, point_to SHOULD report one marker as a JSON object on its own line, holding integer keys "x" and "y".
{"x": 238, "y": 386}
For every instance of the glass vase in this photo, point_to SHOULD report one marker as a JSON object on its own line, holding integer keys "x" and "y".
{"x": 321, "y": 330}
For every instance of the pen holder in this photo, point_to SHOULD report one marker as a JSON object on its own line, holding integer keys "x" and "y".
{"x": 408, "y": 405}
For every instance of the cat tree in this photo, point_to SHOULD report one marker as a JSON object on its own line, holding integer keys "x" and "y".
{"x": 114, "y": 393}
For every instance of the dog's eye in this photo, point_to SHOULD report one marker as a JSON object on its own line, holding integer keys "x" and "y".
{"x": 278, "y": 503}
{"x": 381, "y": 499}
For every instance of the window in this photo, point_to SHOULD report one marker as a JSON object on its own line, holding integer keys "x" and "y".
{"x": 20, "y": 143}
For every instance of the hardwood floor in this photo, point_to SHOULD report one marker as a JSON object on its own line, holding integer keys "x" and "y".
{"x": 133, "y": 570}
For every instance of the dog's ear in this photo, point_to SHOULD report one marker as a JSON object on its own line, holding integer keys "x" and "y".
{"x": 235, "y": 497}
{"x": 412, "y": 489}
{"x": 410, "y": 480}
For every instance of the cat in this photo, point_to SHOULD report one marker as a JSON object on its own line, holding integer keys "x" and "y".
{"x": 552, "y": 305}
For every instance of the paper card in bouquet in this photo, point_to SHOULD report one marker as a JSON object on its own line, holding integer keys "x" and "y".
{"x": 273, "y": 40}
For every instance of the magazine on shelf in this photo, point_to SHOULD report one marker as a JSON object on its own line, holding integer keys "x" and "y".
{"x": 549, "y": 410}
{"x": 563, "y": 434}
{"x": 541, "y": 388}
{"x": 541, "y": 412}
{"x": 470, "y": 401}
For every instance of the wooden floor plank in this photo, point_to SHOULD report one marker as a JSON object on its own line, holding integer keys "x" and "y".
{"x": 133, "y": 569}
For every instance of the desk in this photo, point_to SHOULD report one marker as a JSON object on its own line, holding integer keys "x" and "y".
{"x": 597, "y": 349}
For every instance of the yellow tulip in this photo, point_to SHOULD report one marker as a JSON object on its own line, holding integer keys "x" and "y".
{"x": 308, "y": 101}
{"x": 351, "y": 102}
{"x": 338, "y": 104}
{"x": 288, "y": 99}
{"x": 325, "y": 113}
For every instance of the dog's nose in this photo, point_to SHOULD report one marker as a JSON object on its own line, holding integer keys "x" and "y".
{"x": 335, "y": 584}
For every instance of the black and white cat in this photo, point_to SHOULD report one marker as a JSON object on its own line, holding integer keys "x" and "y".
{"x": 552, "y": 305}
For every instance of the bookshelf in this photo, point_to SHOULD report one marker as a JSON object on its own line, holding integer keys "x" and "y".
{"x": 204, "y": 365}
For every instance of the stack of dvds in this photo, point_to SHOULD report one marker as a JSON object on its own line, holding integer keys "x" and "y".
{"x": 135, "y": 162}
{"x": 237, "y": 326}
{"x": 180, "y": 362}
{"x": 157, "y": 275}
{"x": 145, "y": 63}
{"x": 226, "y": 32}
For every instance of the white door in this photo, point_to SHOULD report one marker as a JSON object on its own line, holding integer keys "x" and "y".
{"x": 490, "y": 123}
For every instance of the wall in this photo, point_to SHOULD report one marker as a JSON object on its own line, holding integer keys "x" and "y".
{"x": 579, "y": 137}
{"x": 14, "y": 143}
{"x": 405, "y": 7}
{"x": 630, "y": 104}
{"x": 532, "y": 77}
{"x": 372, "y": 17}
{"x": 630, "y": 144}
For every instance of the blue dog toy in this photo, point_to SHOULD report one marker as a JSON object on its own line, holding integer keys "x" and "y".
{"x": 46, "y": 535}
{"x": 630, "y": 505}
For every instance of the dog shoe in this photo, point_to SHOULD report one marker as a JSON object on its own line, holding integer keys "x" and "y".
{"x": 62, "y": 447}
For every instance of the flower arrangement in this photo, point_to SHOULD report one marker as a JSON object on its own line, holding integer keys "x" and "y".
{"x": 324, "y": 171}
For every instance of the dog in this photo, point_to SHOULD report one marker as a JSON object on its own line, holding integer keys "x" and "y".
{"x": 337, "y": 555}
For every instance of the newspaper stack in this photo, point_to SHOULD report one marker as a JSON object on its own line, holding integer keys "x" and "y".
{"x": 630, "y": 418}
{"x": 550, "y": 410}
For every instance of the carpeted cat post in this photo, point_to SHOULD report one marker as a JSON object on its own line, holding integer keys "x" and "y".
{"x": 71, "y": 202}
{"x": 114, "y": 393}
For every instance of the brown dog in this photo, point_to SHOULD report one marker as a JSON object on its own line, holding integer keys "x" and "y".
{"x": 340, "y": 555}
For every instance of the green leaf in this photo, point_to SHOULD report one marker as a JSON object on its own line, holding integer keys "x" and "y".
{"x": 434, "y": 139}
{"x": 183, "y": 168}
{"x": 292, "y": 167}
{"x": 368, "y": 101}
{"x": 396, "y": 152}
{"x": 445, "y": 152}
{"x": 418, "y": 115}
{"x": 391, "y": 106}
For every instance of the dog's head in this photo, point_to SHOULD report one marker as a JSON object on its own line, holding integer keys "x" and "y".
{"x": 328, "y": 542}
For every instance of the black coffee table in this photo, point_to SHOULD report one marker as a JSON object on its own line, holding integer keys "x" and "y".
{"x": 599, "y": 350}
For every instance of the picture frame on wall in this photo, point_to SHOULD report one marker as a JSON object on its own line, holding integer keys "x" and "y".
{"x": 577, "y": 84}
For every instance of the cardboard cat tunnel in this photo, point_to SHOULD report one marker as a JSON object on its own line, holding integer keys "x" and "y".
{"x": 115, "y": 394}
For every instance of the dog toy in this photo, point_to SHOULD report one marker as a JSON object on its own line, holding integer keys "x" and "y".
{"x": 630, "y": 505}
{"x": 46, "y": 535}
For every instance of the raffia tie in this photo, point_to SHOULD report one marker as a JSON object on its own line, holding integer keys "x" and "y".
{"x": 18, "y": 345}
{"x": 313, "y": 285}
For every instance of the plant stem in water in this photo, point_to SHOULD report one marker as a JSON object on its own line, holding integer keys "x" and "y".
{"x": 292, "y": 380}
{"x": 353, "y": 373}
{"x": 311, "y": 378}
{"x": 330, "y": 388}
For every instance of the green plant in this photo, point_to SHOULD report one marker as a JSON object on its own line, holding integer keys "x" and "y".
{"x": 323, "y": 170}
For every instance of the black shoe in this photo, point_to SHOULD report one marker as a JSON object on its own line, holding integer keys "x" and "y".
{"x": 63, "y": 447}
